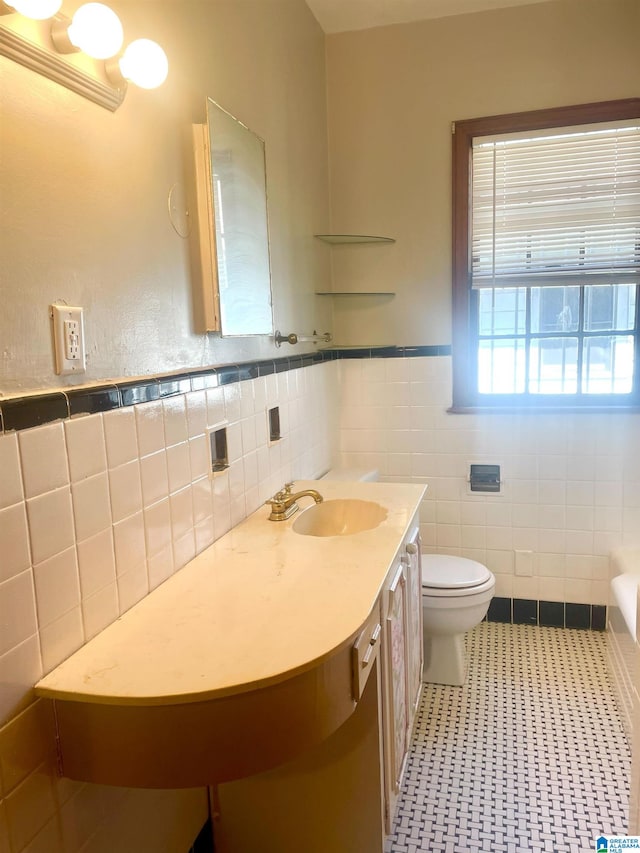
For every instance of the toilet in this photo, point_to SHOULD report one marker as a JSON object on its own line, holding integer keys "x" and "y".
{"x": 456, "y": 593}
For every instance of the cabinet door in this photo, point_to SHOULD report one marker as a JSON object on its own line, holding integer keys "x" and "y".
{"x": 411, "y": 558}
{"x": 397, "y": 710}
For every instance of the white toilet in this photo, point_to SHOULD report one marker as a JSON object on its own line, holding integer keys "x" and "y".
{"x": 455, "y": 597}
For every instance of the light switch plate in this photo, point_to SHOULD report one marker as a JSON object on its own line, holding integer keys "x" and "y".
{"x": 68, "y": 339}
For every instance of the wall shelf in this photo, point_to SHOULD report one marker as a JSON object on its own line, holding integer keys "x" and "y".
{"x": 353, "y": 238}
{"x": 355, "y": 293}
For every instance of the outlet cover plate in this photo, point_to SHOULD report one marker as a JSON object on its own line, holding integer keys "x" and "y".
{"x": 68, "y": 339}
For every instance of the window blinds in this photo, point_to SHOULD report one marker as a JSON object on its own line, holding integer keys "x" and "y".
{"x": 556, "y": 207}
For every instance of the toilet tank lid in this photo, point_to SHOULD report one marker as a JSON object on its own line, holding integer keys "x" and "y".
{"x": 351, "y": 475}
{"x": 443, "y": 571}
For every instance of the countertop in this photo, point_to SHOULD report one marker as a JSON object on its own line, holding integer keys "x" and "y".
{"x": 259, "y": 606}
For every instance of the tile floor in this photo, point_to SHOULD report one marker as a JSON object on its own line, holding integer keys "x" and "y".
{"x": 529, "y": 755}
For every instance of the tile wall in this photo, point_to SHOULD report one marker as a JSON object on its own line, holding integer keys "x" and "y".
{"x": 95, "y": 512}
{"x": 571, "y": 481}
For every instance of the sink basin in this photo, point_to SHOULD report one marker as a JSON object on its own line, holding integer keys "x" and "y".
{"x": 339, "y": 518}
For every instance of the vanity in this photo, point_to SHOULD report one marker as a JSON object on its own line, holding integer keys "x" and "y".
{"x": 281, "y": 668}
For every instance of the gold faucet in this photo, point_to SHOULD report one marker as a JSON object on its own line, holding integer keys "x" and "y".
{"x": 283, "y": 503}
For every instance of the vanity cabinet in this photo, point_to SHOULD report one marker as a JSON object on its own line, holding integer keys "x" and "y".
{"x": 401, "y": 666}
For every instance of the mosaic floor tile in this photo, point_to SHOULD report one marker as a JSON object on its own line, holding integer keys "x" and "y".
{"x": 528, "y": 755}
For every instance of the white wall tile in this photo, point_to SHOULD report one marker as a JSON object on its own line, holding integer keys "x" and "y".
{"x": 85, "y": 447}
{"x": 11, "y": 481}
{"x": 50, "y": 521}
{"x": 133, "y": 585}
{"x": 231, "y": 394}
{"x": 553, "y": 589}
{"x": 17, "y": 605}
{"x": 181, "y": 513}
{"x": 43, "y": 455}
{"x": 96, "y": 563}
{"x": 129, "y": 543}
{"x": 120, "y": 436}
{"x": 154, "y": 477}
{"x": 184, "y": 549}
{"x": 100, "y": 610}
{"x": 204, "y": 534}
{"x": 160, "y": 566}
{"x": 61, "y": 638}
{"x": 157, "y": 526}
{"x": 14, "y": 541}
{"x": 215, "y": 406}
{"x": 196, "y": 402}
{"x": 91, "y": 505}
{"x": 150, "y": 427}
{"x": 125, "y": 490}
{"x": 175, "y": 419}
{"x": 20, "y": 668}
{"x": 57, "y": 586}
{"x": 178, "y": 466}
{"x": 198, "y": 456}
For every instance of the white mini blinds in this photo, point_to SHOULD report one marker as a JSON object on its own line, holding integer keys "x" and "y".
{"x": 557, "y": 207}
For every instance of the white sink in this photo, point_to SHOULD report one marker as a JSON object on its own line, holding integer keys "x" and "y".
{"x": 339, "y": 518}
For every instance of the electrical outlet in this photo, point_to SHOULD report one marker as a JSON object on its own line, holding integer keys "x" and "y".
{"x": 68, "y": 338}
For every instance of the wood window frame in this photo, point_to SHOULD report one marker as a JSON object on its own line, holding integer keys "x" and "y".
{"x": 465, "y": 394}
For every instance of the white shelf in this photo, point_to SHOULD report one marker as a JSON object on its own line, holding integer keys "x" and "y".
{"x": 355, "y": 293}
{"x": 353, "y": 238}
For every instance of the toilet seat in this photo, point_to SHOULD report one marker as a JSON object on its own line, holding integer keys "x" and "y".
{"x": 444, "y": 575}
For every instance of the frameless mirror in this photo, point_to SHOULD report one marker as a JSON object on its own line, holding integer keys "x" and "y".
{"x": 233, "y": 226}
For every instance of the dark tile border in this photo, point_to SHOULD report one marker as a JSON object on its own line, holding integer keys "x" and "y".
{"x": 24, "y": 412}
{"x": 17, "y": 413}
{"x": 548, "y": 614}
{"x": 89, "y": 401}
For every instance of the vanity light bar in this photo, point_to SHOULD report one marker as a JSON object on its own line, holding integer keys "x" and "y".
{"x": 28, "y": 41}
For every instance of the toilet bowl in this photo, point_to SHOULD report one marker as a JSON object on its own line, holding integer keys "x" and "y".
{"x": 456, "y": 593}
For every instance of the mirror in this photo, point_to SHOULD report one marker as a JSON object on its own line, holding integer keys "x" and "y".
{"x": 232, "y": 226}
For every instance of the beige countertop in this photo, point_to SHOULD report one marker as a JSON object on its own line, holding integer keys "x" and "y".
{"x": 260, "y": 605}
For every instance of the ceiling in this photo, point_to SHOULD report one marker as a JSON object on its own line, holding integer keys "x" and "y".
{"x": 335, "y": 16}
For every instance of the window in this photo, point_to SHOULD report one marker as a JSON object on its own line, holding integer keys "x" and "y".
{"x": 547, "y": 258}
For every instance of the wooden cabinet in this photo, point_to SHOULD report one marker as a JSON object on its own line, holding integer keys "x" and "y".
{"x": 401, "y": 666}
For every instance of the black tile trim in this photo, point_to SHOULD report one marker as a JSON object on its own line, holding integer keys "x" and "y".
{"x": 89, "y": 401}
{"x": 18, "y": 413}
{"x": 228, "y": 373}
{"x": 499, "y": 610}
{"x": 26, "y": 412}
{"x": 205, "y": 379}
{"x": 525, "y": 611}
{"x": 577, "y": 615}
{"x": 143, "y": 391}
{"x": 549, "y": 614}
{"x": 174, "y": 385}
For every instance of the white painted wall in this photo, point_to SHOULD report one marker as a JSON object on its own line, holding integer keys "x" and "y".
{"x": 393, "y": 93}
{"x": 84, "y": 191}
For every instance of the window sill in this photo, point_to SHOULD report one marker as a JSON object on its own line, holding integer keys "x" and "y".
{"x": 523, "y": 408}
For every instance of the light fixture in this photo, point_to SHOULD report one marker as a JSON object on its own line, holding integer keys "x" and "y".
{"x": 144, "y": 63}
{"x": 95, "y": 30}
{"x": 38, "y": 10}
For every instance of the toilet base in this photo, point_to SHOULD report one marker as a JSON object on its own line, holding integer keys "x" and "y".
{"x": 445, "y": 659}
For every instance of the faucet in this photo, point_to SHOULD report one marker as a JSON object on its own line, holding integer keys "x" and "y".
{"x": 283, "y": 503}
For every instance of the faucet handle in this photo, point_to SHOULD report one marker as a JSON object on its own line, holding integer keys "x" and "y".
{"x": 287, "y": 488}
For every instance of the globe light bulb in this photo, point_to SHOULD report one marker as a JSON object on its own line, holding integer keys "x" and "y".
{"x": 144, "y": 63}
{"x": 96, "y": 30}
{"x": 38, "y": 10}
